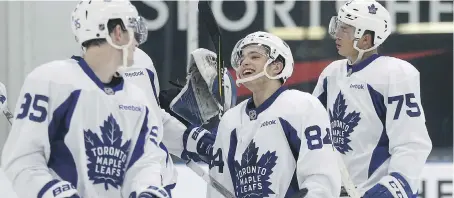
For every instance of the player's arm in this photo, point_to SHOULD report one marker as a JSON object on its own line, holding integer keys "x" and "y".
{"x": 218, "y": 166}
{"x": 409, "y": 141}
{"x": 27, "y": 150}
{"x": 175, "y": 128}
{"x": 317, "y": 168}
{"x": 320, "y": 90}
{"x": 143, "y": 173}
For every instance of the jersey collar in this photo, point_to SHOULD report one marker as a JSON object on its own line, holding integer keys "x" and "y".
{"x": 253, "y": 112}
{"x": 110, "y": 88}
{"x": 361, "y": 65}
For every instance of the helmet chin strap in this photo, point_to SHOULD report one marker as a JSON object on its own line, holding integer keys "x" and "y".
{"x": 251, "y": 78}
{"x": 360, "y": 52}
{"x": 123, "y": 48}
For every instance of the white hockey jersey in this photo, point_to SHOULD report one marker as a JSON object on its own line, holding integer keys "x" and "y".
{"x": 70, "y": 126}
{"x": 143, "y": 75}
{"x": 276, "y": 149}
{"x": 377, "y": 120}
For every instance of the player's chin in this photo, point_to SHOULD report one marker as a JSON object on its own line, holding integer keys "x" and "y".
{"x": 342, "y": 52}
{"x": 253, "y": 85}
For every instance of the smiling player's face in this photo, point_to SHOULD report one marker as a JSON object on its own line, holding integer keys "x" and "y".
{"x": 252, "y": 63}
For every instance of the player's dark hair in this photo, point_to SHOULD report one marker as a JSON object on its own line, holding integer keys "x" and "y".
{"x": 111, "y": 24}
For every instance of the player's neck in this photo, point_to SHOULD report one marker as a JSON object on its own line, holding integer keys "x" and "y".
{"x": 265, "y": 91}
{"x": 364, "y": 57}
{"x": 103, "y": 62}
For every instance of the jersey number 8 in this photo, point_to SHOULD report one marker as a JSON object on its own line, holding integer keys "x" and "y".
{"x": 314, "y": 137}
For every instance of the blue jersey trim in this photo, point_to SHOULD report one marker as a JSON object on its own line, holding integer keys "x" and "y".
{"x": 381, "y": 150}
{"x": 61, "y": 160}
{"x": 151, "y": 76}
{"x": 94, "y": 78}
{"x": 361, "y": 65}
{"x": 252, "y": 110}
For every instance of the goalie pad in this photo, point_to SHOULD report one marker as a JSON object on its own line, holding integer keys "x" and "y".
{"x": 199, "y": 100}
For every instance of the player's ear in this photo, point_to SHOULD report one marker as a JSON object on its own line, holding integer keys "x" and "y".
{"x": 276, "y": 68}
{"x": 365, "y": 42}
{"x": 117, "y": 33}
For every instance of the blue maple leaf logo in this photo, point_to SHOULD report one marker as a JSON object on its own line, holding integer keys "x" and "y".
{"x": 342, "y": 125}
{"x": 106, "y": 156}
{"x": 253, "y": 174}
{"x": 2, "y": 99}
{"x": 372, "y": 9}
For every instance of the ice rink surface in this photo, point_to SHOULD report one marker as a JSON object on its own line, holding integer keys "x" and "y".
{"x": 437, "y": 178}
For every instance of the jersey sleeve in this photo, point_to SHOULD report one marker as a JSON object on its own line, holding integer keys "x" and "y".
{"x": 320, "y": 90}
{"x": 173, "y": 133}
{"x": 218, "y": 167}
{"x": 409, "y": 141}
{"x": 146, "y": 161}
{"x": 317, "y": 168}
{"x": 27, "y": 149}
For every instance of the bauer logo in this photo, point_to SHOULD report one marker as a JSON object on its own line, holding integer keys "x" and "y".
{"x": 106, "y": 154}
{"x": 132, "y": 74}
{"x": 130, "y": 108}
{"x": 342, "y": 124}
{"x": 253, "y": 173}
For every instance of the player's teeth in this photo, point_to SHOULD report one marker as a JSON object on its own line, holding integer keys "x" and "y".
{"x": 248, "y": 72}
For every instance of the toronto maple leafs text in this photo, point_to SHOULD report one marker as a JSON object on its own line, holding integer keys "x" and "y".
{"x": 250, "y": 178}
{"x": 338, "y": 129}
{"x": 109, "y": 160}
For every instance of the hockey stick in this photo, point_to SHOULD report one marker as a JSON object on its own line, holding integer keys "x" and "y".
{"x": 345, "y": 177}
{"x": 8, "y": 115}
{"x": 210, "y": 180}
{"x": 207, "y": 16}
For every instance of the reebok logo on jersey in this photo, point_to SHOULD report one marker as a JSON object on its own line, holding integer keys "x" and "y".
{"x": 132, "y": 74}
{"x": 107, "y": 154}
{"x": 130, "y": 108}
{"x": 357, "y": 86}
{"x": 267, "y": 123}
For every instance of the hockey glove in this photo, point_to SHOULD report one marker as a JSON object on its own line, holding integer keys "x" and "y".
{"x": 391, "y": 186}
{"x": 198, "y": 140}
{"x": 58, "y": 189}
{"x": 151, "y": 192}
{"x": 199, "y": 100}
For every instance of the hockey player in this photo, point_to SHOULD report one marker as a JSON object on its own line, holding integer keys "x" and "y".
{"x": 274, "y": 144}
{"x": 82, "y": 131}
{"x": 175, "y": 132}
{"x": 374, "y": 104}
